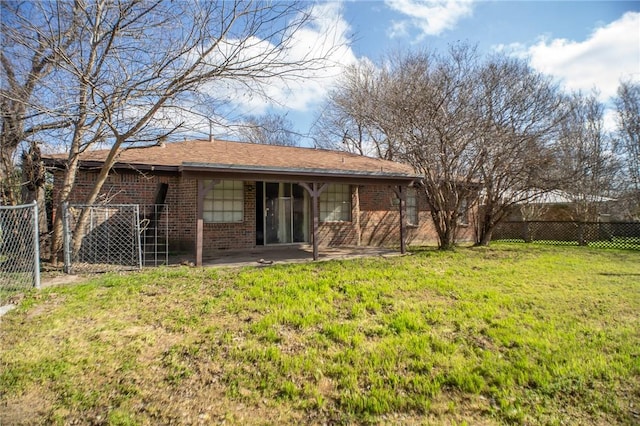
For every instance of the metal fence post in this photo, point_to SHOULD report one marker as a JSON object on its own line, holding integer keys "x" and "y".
{"x": 136, "y": 218}
{"x": 19, "y": 249}
{"x": 36, "y": 246}
{"x": 66, "y": 233}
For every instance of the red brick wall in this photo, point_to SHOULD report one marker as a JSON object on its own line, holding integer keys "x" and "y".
{"x": 128, "y": 187}
{"x": 378, "y": 213}
{"x": 183, "y": 214}
{"x": 132, "y": 187}
{"x": 234, "y": 235}
{"x": 380, "y": 218}
{"x": 379, "y": 221}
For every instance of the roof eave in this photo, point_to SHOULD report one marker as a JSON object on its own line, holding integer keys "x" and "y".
{"x": 60, "y": 163}
{"x": 305, "y": 173}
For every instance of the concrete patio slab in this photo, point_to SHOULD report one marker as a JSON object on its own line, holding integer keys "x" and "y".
{"x": 264, "y": 256}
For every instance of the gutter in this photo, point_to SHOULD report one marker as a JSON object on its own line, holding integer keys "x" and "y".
{"x": 289, "y": 171}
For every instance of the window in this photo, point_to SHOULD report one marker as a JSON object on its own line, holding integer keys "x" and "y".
{"x": 225, "y": 202}
{"x": 412, "y": 206}
{"x": 463, "y": 212}
{"x": 335, "y": 203}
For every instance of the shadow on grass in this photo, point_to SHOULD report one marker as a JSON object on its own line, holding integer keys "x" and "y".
{"x": 617, "y": 274}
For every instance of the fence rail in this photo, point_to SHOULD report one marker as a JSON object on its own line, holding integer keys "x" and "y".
{"x": 621, "y": 235}
{"x": 19, "y": 250}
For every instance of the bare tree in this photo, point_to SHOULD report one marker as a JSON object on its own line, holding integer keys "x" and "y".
{"x": 519, "y": 113}
{"x": 533, "y": 210}
{"x": 34, "y": 40}
{"x": 417, "y": 108}
{"x": 469, "y": 126}
{"x": 351, "y": 119}
{"x": 133, "y": 60}
{"x": 585, "y": 157}
{"x": 434, "y": 109}
{"x": 270, "y": 129}
{"x": 628, "y": 140}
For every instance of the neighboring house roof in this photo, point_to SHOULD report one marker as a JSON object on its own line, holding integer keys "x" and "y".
{"x": 562, "y": 197}
{"x": 246, "y": 158}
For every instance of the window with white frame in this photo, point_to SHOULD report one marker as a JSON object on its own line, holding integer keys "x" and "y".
{"x": 224, "y": 203}
{"x": 335, "y": 203}
{"x": 463, "y": 211}
{"x": 412, "y": 206}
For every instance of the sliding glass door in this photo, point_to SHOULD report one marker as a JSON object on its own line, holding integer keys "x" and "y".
{"x": 286, "y": 213}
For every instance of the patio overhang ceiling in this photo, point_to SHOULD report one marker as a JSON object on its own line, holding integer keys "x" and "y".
{"x": 292, "y": 174}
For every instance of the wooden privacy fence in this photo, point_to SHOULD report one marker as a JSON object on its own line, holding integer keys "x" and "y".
{"x": 621, "y": 235}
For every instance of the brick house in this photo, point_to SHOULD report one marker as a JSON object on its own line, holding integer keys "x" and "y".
{"x": 233, "y": 195}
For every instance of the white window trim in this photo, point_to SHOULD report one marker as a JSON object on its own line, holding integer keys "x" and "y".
{"x": 463, "y": 218}
{"x": 222, "y": 204}
{"x": 344, "y": 200}
{"x": 412, "y": 221}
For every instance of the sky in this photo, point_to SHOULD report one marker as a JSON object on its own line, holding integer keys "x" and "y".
{"x": 584, "y": 45}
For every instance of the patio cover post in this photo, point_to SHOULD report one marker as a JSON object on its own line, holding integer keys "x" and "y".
{"x": 402, "y": 196}
{"x": 202, "y": 192}
{"x": 314, "y": 191}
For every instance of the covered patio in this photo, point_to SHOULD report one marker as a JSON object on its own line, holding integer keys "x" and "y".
{"x": 273, "y": 255}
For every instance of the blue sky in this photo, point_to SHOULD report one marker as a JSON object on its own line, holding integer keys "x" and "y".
{"x": 583, "y": 44}
{"x": 488, "y": 23}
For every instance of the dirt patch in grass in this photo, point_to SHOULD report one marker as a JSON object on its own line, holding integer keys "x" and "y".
{"x": 26, "y": 408}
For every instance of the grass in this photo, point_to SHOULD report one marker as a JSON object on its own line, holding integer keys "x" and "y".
{"x": 509, "y": 334}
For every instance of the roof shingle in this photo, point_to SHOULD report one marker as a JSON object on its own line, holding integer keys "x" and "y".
{"x": 249, "y": 156}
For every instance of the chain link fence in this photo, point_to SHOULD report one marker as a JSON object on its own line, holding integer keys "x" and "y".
{"x": 621, "y": 235}
{"x": 115, "y": 237}
{"x": 19, "y": 250}
{"x": 101, "y": 238}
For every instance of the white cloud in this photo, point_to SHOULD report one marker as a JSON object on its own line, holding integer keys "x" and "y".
{"x": 324, "y": 38}
{"x": 610, "y": 53}
{"x": 428, "y": 17}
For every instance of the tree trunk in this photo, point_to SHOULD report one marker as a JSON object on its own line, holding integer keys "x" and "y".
{"x": 8, "y": 194}
{"x": 78, "y": 234}
{"x": 485, "y": 237}
{"x": 67, "y": 186}
{"x": 445, "y": 229}
{"x": 485, "y": 231}
{"x": 581, "y": 237}
{"x": 33, "y": 180}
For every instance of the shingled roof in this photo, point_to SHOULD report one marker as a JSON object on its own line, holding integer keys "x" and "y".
{"x": 239, "y": 157}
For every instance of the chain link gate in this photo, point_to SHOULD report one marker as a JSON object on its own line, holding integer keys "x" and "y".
{"x": 101, "y": 238}
{"x": 19, "y": 250}
{"x": 154, "y": 234}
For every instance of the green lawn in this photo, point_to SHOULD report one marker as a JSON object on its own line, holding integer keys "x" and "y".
{"x": 513, "y": 333}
